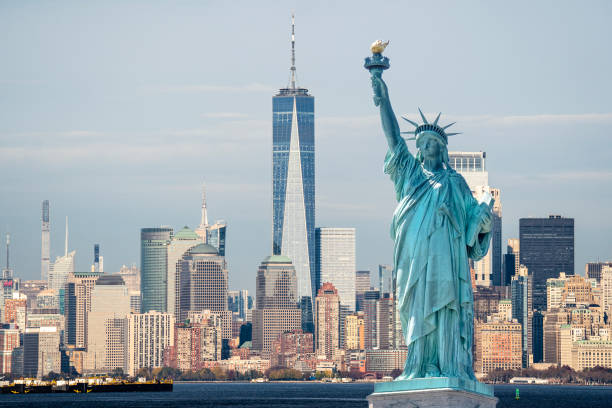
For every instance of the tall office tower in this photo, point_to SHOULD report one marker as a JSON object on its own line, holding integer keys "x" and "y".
{"x": 293, "y": 179}
{"x": 276, "y": 307}
{"x": 203, "y": 281}
{"x": 496, "y": 239}
{"x": 370, "y": 311}
{"x": 509, "y": 270}
{"x": 522, "y": 310}
{"x": 131, "y": 277}
{"x": 362, "y": 284}
{"x": 335, "y": 262}
{"x": 386, "y": 322}
{"x": 514, "y": 247}
{"x": 537, "y": 338}
{"x": 106, "y": 325}
{"x": 238, "y": 302}
{"x": 386, "y": 283}
{"x": 327, "y": 319}
{"x": 95, "y": 267}
{"x": 77, "y": 305}
{"x": 203, "y": 227}
{"x": 149, "y": 335}
{"x": 9, "y": 340}
{"x": 62, "y": 267}
{"x": 45, "y": 243}
{"x": 354, "y": 329}
{"x": 592, "y": 270}
{"x": 183, "y": 241}
{"x": 215, "y": 236}
{"x": 472, "y": 166}
{"x": 154, "y": 268}
{"x": 546, "y": 249}
{"x": 41, "y": 353}
{"x": 606, "y": 289}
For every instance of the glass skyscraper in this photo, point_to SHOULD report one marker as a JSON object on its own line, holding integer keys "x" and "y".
{"x": 154, "y": 268}
{"x": 546, "y": 249}
{"x": 293, "y": 181}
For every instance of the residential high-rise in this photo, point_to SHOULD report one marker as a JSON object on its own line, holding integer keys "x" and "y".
{"x": 546, "y": 249}
{"x": 335, "y": 261}
{"x": 179, "y": 246}
{"x": 45, "y": 244}
{"x": 606, "y": 289}
{"x": 77, "y": 305}
{"x": 354, "y": 337}
{"x": 149, "y": 335}
{"x": 9, "y": 340}
{"x": 327, "y": 319}
{"x": 154, "y": 268}
{"x": 498, "y": 346}
{"x": 276, "y": 306}
{"x": 293, "y": 179}
{"x": 6, "y": 290}
{"x": 107, "y": 325}
{"x": 522, "y": 310}
{"x": 370, "y": 311}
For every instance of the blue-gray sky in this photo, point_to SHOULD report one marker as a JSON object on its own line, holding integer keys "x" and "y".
{"x": 117, "y": 112}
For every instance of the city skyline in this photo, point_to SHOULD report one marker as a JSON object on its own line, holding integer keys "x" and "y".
{"x": 109, "y": 196}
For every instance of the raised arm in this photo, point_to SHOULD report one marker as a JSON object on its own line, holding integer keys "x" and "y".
{"x": 387, "y": 117}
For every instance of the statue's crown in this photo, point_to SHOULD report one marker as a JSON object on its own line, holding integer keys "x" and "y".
{"x": 426, "y": 126}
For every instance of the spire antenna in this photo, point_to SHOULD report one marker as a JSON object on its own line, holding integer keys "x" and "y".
{"x": 8, "y": 244}
{"x": 292, "y": 51}
{"x": 204, "y": 219}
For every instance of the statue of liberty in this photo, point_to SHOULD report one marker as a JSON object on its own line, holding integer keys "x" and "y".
{"x": 437, "y": 227}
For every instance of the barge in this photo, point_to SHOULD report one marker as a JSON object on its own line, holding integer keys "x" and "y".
{"x": 83, "y": 386}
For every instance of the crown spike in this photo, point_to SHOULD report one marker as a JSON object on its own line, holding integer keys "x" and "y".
{"x": 449, "y": 125}
{"x": 453, "y": 134}
{"x": 411, "y": 122}
{"x": 423, "y": 116}
{"x": 408, "y": 133}
{"x": 437, "y": 118}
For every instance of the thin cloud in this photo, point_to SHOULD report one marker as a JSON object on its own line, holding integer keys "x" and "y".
{"x": 225, "y": 115}
{"x": 253, "y": 87}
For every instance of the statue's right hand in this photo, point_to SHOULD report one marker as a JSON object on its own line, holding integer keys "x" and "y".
{"x": 380, "y": 89}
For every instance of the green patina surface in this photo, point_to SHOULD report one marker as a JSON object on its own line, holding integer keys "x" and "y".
{"x": 458, "y": 384}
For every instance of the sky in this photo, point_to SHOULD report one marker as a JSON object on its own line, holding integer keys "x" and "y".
{"x": 117, "y": 112}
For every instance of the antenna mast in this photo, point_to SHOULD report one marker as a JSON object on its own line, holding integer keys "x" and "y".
{"x": 293, "y": 51}
{"x": 8, "y": 243}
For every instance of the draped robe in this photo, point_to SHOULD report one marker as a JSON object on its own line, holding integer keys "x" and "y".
{"x": 437, "y": 226}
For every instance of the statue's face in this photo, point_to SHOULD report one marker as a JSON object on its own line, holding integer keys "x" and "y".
{"x": 430, "y": 148}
